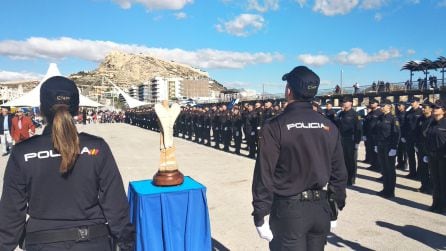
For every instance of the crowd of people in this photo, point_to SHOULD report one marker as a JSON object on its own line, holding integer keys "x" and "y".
{"x": 392, "y": 138}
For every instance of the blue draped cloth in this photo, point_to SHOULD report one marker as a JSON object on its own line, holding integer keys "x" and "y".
{"x": 170, "y": 218}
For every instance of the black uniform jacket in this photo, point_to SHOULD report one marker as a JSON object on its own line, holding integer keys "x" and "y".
{"x": 299, "y": 150}
{"x": 92, "y": 193}
{"x": 349, "y": 125}
{"x": 437, "y": 138}
{"x": 388, "y": 131}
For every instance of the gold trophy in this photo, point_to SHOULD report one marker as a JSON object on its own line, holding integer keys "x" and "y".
{"x": 168, "y": 174}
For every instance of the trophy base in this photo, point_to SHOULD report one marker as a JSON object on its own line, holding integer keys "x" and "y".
{"x": 168, "y": 178}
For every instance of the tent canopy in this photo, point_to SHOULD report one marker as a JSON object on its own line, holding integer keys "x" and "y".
{"x": 32, "y": 98}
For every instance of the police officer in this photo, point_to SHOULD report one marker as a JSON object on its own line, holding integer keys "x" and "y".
{"x": 388, "y": 135}
{"x": 67, "y": 182}
{"x": 369, "y": 138}
{"x": 237, "y": 123}
{"x": 251, "y": 122}
{"x": 299, "y": 153}
{"x": 329, "y": 112}
{"x": 401, "y": 151}
{"x": 423, "y": 124}
{"x": 437, "y": 157}
{"x": 408, "y": 135}
{"x": 350, "y": 129}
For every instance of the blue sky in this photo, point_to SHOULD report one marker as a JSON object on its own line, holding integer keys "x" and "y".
{"x": 241, "y": 43}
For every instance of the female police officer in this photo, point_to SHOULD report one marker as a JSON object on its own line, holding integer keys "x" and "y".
{"x": 388, "y": 135}
{"x": 68, "y": 184}
{"x": 437, "y": 158}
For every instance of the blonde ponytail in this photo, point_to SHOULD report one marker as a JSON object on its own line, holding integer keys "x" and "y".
{"x": 65, "y": 138}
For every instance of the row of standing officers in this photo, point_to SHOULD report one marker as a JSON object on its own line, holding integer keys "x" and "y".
{"x": 214, "y": 123}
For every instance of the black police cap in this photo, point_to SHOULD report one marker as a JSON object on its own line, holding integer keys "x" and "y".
{"x": 427, "y": 103}
{"x": 59, "y": 90}
{"x": 373, "y": 101}
{"x": 414, "y": 99}
{"x": 303, "y": 82}
{"x": 347, "y": 99}
{"x": 439, "y": 104}
{"x": 386, "y": 102}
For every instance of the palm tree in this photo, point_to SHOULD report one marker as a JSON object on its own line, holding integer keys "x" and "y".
{"x": 441, "y": 63}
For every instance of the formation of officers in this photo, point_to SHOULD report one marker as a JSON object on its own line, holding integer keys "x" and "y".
{"x": 400, "y": 137}
{"x": 412, "y": 138}
{"x": 215, "y": 125}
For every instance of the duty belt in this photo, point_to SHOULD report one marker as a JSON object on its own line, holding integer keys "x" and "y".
{"x": 308, "y": 195}
{"x": 77, "y": 234}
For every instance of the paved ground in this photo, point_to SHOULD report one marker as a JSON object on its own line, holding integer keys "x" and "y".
{"x": 368, "y": 222}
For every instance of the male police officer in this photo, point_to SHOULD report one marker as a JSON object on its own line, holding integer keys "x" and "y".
{"x": 409, "y": 134}
{"x": 299, "y": 153}
{"x": 350, "y": 130}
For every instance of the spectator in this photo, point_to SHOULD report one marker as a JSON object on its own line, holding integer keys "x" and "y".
{"x": 22, "y": 127}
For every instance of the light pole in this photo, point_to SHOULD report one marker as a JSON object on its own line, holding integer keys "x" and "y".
{"x": 342, "y": 71}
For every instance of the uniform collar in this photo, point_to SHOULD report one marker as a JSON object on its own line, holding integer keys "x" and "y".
{"x": 298, "y": 105}
{"x": 47, "y": 129}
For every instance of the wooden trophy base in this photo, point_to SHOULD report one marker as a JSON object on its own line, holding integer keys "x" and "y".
{"x": 168, "y": 178}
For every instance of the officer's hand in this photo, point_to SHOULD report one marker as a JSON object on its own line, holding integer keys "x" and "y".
{"x": 403, "y": 140}
{"x": 364, "y": 138}
{"x": 425, "y": 159}
{"x": 356, "y": 146}
{"x": 265, "y": 232}
{"x": 392, "y": 152}
{"x": 375, "y": 148}
{"x": 415, "y": 148}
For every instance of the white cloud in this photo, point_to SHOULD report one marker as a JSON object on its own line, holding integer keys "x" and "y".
{"x": 301, "y": 2}
{"x": 13, "y": 76}
{"x": 267, "y": 5}
{"x": 314, "y": 60}
{"x": 334, "y": 7}
{"x": 358, "y": 57}
{"x": 411, "y": 52}
{"x": 373, "y": 4}
{"x": 413, "y": 1}
{"x": 355, "y": 56}
{"x": 243, "y": 25}
{"x": 378, "y": 17}
{"x": 96, "y": 50}
{"x": 155, "y": 4}
{"x": 441, "y": 3}
{"x": 180, "y": 15}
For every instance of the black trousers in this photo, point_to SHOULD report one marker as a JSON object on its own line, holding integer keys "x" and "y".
{"x": 216, "y": 134}
{"x": 402, "y": 155}
{"x": 423, "y": 173}
{"x": 299, "y": 225}
{"x": 387, "y": 164}
{"x": 103, "y": 244}
{"x": 368, "y": 150}
{"x": 411, "y": 157}
{"x": 251, "y": 139}
{"x": 350, "y": 158}
{"x": 226, "y": 137}
{"x": 437, "y": 167}
{"x": 237, "y": 140}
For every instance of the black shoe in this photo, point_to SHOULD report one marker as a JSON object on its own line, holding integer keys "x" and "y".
{"x": 385, "y": 195}
{"x": 5, "y": 154}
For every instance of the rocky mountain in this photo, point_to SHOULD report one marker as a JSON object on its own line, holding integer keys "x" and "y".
{"x": 126, "y": 70}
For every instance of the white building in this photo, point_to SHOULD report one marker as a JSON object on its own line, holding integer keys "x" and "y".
{"x": 165, "y": 89}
